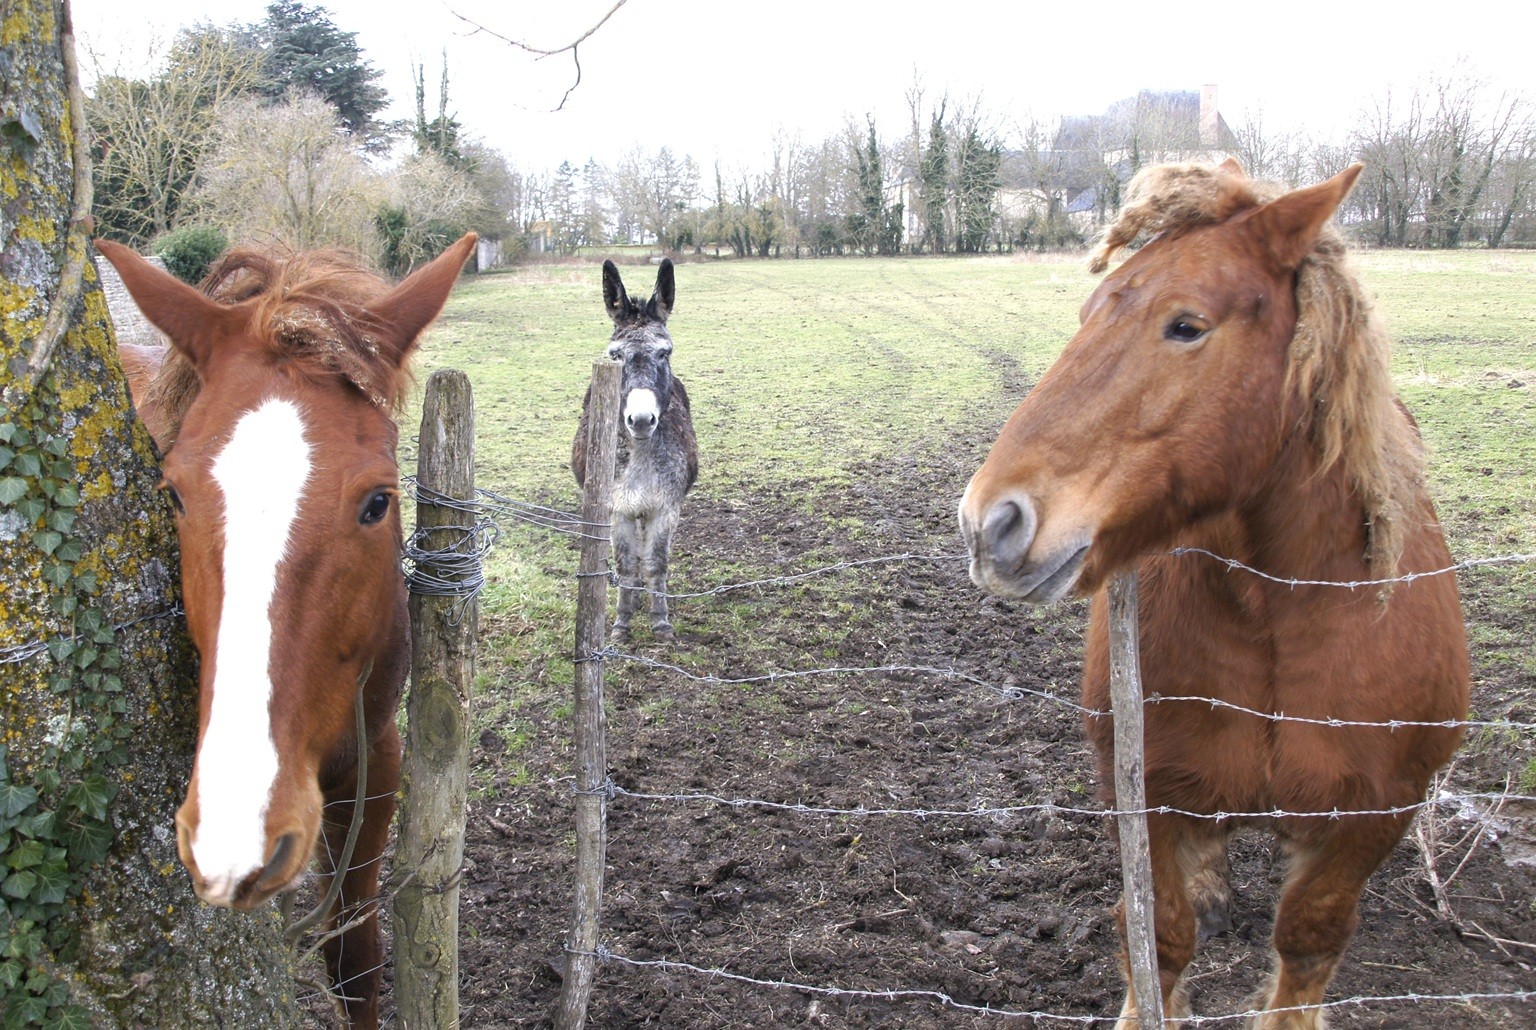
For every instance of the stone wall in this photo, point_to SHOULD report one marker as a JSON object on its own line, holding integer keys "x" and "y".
{"x": 127, "y": 319}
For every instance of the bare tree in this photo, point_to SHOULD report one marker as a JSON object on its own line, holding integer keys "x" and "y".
{"x": 287, "y": 172}
{"x": 151, "y": 136}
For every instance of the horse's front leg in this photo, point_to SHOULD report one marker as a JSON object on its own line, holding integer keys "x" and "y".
{"x": 658, "y": 548}
{"x": 354, "y": 958}
{"x": 626, "y": 555}
{"x": 1329, "y": 866}
{"x": 1173, "y": 917}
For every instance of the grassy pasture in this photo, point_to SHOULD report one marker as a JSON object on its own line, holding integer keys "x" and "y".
{"x": 805, "y": 375}
{"x": 815, "y": 382}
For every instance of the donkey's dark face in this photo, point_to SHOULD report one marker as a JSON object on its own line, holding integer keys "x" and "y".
{"x": 641, "y": 341}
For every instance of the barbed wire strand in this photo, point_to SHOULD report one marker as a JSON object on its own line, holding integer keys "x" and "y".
{"x": 1017, "y": 693}
{"x": 32, "y": 648}
{"x": 604, "y": 954}
{"x": 1053, "y": 808}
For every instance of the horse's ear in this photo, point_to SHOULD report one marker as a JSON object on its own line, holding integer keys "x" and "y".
{"x": 1289, "y": 227}
{"x": 410, "y": 307}
{"x": 614, "y": 298}
{"x": 194, "y": 322}
{"x": 1231, "y": 167}
{"x": 666, "y": 291}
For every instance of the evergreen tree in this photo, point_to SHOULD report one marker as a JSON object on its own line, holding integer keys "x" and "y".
{"x": 305, "y": 50}
{"x": 977, "y": 177}
{"x": 933, "y": 184}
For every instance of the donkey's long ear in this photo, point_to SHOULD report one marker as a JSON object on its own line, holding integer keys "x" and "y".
{"x": 614, "y": 298}
{"x": 1288, "y": 227}
{"x": 194, "y": 322}
{"x": 666, "y": 292}
{"x": 410, "y": 307}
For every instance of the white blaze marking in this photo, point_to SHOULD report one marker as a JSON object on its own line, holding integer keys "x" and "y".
{"x": 641, "y": 402}
{"x": 261, "y": 472}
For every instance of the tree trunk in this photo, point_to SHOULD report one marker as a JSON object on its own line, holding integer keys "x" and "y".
{"x": 98, "y": 718}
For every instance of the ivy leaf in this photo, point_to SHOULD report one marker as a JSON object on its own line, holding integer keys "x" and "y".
{"x": 28, "y": 463}
{"x": 56, "y": 573}
{"x": 28, "y": 855}
{"x": 70, "y": 1017}
{"x": 52, "y": 883}
{"x": 6, "y": 454}
{"x": 62, "y": 520}
{"x": 15, "y": 800}
{"x": 7, "y": 429}
{"x": 12, "y": 489}
{"x": 61, "y": 648}
{"x": 19, "y": 884}
{"x": 32, "y": 508}
{"x": 48, "y": 540}
{"x": 56, "y": 446}
{"x": 91, "y": 796}
{"x": 88, "y": 842}
{"x": 67, "y": 496}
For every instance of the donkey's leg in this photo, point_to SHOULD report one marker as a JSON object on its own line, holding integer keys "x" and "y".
{"x": 1207, "y": 876}
{"x": 354, "y": 958}
{"x": 658, "y": 548}
{"x": 1173, "y": 918}
{"x": 1318, "y": 911}
{"x": 626, "y": 555}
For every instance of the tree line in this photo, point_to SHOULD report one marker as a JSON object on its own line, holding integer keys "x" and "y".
{"x": 272, "y": 130}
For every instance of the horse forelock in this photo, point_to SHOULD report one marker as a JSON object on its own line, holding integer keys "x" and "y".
{"x": 311, "y": 314}
{"x": 1338, "y": 367}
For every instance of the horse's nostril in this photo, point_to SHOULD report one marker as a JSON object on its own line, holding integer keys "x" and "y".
{"x": 280, "y": 867}
{"x": 1008, "y": 531}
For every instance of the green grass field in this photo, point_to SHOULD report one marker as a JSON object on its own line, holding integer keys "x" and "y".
{"x": 806, "y": 376}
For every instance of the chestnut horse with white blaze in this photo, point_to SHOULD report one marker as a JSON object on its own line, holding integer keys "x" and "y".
{"x": 274, "y": 410}
{"x": 1229, "y": 390}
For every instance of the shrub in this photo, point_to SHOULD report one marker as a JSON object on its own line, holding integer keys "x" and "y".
{"x": 188, "y": 251}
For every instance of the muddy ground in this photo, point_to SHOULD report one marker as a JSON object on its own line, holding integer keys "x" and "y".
{"x": 1010, "y": 913}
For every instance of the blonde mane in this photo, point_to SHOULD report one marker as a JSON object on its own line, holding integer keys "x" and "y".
{"x": 312, "y": 314}
{"x": 1338, "y": 371}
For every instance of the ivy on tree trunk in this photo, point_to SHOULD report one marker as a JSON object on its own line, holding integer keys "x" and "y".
{"x": 98, "y": 693}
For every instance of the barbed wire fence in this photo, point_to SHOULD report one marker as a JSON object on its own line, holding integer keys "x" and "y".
{"x": 452, "y": 572}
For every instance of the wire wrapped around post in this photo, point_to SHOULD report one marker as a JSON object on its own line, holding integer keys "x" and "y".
{"x": 444, "y": 576}
{"x": 591, "y": 802}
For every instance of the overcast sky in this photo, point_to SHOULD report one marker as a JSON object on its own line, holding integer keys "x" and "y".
{"x": 716, "y": 79}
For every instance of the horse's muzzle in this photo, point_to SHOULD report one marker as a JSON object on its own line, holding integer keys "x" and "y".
{"x": 1007, "y": 556}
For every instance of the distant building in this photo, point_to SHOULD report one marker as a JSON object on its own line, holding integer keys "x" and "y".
{"x": 1093, "y": 156}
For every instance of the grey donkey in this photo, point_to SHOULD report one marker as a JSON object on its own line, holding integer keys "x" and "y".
{"x": 658, "y": 459}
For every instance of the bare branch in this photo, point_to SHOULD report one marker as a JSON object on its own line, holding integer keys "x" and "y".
{"x": 540, "y": 53}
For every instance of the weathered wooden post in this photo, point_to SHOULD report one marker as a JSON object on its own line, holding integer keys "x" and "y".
{"x": 434, "y": 775}
{"x": 590, "y": 733}
{"x": 1131, "y": 797}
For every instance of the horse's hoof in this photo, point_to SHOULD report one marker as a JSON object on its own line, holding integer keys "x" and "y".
{"x": 620, "y": 634}
{"x": 664, "y": 631}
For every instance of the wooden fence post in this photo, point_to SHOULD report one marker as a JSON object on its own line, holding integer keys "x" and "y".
{"x": 1131, "y": 796}
{"x": 590, "y": 733}
{"x": 435, "y": 772}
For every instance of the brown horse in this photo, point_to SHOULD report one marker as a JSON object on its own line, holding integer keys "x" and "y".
{"x": 1229, "y": 390}
{"x": 274, "y": 410}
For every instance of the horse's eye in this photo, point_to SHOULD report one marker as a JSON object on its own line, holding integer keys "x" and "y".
{"x": 376, "y": 509}
{"x": 1184, "y": 330}
{"x": 174, "y": 496}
